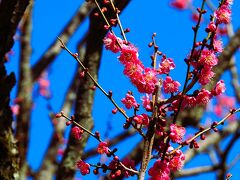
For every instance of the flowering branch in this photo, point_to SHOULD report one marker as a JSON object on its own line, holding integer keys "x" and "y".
{"x": 54, "y": 49}
{"x": 195, "y": 29}
{"x": 119, "y": 21}
{"x": 113, "y": 141}
{"x": 97, "y": 137}
{"x": 108, "y": 95}
{"x": 200, "y": 133}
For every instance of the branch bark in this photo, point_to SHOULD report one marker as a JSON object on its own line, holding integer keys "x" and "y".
{"x": 10, "y": 14}
{"x": 84, "y": 102}
{"x": 24, "y": 93}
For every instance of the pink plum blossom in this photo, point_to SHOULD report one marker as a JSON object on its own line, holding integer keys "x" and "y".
{"x": 177, "y": 133}
{"x": 170, "y": 86}
{"x": 83, "y": 167}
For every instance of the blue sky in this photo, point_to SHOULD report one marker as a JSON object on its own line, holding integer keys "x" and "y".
{"x": 174, "y": 38}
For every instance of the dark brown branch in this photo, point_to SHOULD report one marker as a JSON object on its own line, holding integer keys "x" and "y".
{"x": 223, "y": 165}
{"x": 24, "y": 93}
{"x": 195, "y": 171}
{"x": 119, "y": 138}
{"x": 84, "y": 102}
{"x": 235, "y": 78}
{"x": 10, "y": 14}
{"x": 49, "y": 164}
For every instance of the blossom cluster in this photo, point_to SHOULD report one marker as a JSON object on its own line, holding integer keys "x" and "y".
{"x": 161, "y": 169}
{"x": 201, "y": 61}
{"x": 143, "y": 78}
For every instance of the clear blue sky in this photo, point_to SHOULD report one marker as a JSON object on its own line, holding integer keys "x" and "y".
{"x": 174, "y": 38}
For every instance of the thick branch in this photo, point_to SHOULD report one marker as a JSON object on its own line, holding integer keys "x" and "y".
{"x": 84, "y": 102}
{"x": 10, "y": 14}
{"x": 24, "y": 90}
{"x": 49, "y": 163}
{"x": 195, "y": 171}
{"x": 223, "y": 166}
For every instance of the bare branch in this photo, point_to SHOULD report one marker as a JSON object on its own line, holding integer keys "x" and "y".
{"x": 210, "y": 140}
{"x": 113, "y": 141}
{"x": 49, "y": 164}
{"x": 24, "y": 93}
{"x": 222, "y": 165}
{"x": 10, "y": 14}
{"x": 84, "y": 102}
{"x": 195, "y": 171}
{"x": 54, "y": 49}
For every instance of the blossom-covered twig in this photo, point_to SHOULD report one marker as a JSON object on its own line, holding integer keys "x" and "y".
{"x": 195, "y": 29}
{"x": 97, "y": 137}
{"x": 214, "y": 125}
{"x": 108, "y": 95}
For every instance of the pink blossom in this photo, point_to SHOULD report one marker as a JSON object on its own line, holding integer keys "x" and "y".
{"x": 189, "y": 101}
{"x": 141, "y": 119}
{"x": 174, "y": 106}
{"x": 83, "y": 167}
{"x": 77, "y": 132}
{"x": 222, "y": 31}
{"x": 15, "y": 109}
{"x": 218, "y": 109}
{"x": 170, "y": 86}
{"x": 129, "y": 101}
{"x": 223, "y": 14}
{"x": 219, "y": 88}
{"x": 145, "y": 83}
{"x": 44, "y": 84}
{"x": 130, "y": 164}
{"x": 146, "y": 102}
{"x": 203, "y": 97}
{"x": 150, "y": 79}
{"x": 60, "y": 151}
{"x": 166, "y": 65}
{"x": 208, "y": 58}
{"x": 217, "y": 45}
{"x": 102, "y": 148}
{"x": 228, "y": 2}
{"x": 177, "y": 133}
{"x": 110, "y": 42}
{"x": 195, "y": 17}
{"x": 129, "y": 53}
{"x": 226, "y": 101}
{"x": 177, "y": 162}
{"x": 205, "y": 76}
{"x": 133, "y": 70}
{"x": 211, "y": 27}
{"x": 181, "y": 4}
{"x": 159, "y": 171}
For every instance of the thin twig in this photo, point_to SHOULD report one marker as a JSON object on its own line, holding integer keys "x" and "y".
{"x": 205, "y": 130}
{"x": 108, "y": 95}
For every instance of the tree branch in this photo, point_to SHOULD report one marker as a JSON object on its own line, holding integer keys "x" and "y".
{"x": 10, "y": 14}
{"x": 24, "y": 93}
{"x": 54, "y": 49}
